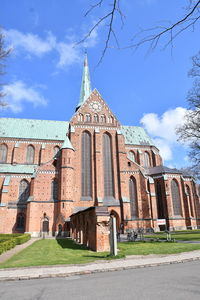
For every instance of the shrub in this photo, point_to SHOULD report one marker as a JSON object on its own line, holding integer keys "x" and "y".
{"x": 9, "y": 241}
{"x": 22, "y": 239}
{"x": 7, "y": 245}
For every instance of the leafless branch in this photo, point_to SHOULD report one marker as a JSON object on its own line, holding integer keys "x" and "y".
{"x": 4, "y": 53}
{"x": 98, "y": 4}
{"x": 188, "y": 21}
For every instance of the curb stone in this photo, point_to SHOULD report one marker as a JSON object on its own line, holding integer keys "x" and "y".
{"x": 98, "y": 270}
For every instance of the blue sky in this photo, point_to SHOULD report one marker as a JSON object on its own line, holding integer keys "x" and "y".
{"x": 142, "y": 88}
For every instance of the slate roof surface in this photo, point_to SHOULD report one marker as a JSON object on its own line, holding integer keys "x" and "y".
{"x": 33, "y": 129}
{"x": 18, "y": 169}
{"x": 162, "y": 169}
{"x": 135, "y": 135}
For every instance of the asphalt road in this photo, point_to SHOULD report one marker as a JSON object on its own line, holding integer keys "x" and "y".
{"x": 176, "y": 281}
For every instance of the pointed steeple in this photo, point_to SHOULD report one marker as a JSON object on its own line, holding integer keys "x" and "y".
{"x": 85, "y": 85}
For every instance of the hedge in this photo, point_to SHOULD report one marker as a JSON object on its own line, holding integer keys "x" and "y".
{"x": 9, "y": 243}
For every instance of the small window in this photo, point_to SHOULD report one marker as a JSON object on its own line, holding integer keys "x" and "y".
{"x": 131, "y": 155}
{"x": 129, "y": 164}
{"x": 87, "y": 118}
{"x": 56, "y": 149}
{"x": 3, "y": 153}
{"x": 96, "y": 118}
{"x": 110, "y": 120}
{"x": 103, "y": 119}
{"x": 80, "y": 118}
{"x": 30, "y": 154}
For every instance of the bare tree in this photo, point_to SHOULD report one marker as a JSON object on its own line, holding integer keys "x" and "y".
{"x": 113, "y": 13}
{"x": 4, "y": 53}
{"x": 190, "y": 131}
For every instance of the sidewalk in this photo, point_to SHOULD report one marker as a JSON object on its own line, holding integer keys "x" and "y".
{"x": 100, "y": 266}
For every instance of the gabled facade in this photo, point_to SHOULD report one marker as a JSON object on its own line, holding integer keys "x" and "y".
{"x": 50, "y": 170}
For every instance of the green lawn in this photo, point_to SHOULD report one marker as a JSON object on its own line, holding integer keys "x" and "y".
{"x": 145, "y": 248}
{"x": 65, "y": 251}
{"x": 52, "y": 252}
{"x": 184, "y": 236}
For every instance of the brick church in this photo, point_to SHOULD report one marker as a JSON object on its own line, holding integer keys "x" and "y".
{"x": 50, "y": 170}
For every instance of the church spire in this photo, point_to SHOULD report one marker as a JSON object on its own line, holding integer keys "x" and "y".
{"x": 85, "y": 85}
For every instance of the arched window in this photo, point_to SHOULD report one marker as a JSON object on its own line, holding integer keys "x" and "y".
{"x": 138, "y": 157}
{"x": 176, "y": 198}
{"x": 108, "y": 166}
{"x": 56, "y": 149}
{"x": 54, "y": 189}
{"x": 3, "y": 153}
{"x": 30, "y": 154}
{"x": 160, "y": 204}
{"x": 146, "y": 160}
{"x": 87, "y": 118}
{"x": 23, "y": 191}
{"x": 20, "y": 222}
{"x": 86, "y": 165}
{"x": 80, "y": 118}
{"x": 103, "y": 119}
{"x": 110, "y": 120}
{"x": 131, "y": 155}
{"x": 190, "y": 200}
{"x": 96, "y": 118}
{"x": 133, "y": 197}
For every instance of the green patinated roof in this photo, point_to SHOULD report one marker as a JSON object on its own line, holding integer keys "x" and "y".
{"x": 33, "y": 129}
{"x": 67, "y": 144}
{"x": 135, "y": 135}
{"x": 85, "y": 85}
{"x": 56, "y": 130}
{"x": 18, "y": 169}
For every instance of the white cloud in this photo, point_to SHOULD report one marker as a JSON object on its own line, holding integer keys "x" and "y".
{"x": 18, "y": 92}
{"x": 162, "y": 129}
{"x": 165, "y": 125}
{"x": 31, "y": 43}
{"x": 68, "y": 54}
{"x": 164, "y": 147}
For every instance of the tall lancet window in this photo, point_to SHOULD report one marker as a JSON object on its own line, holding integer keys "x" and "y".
{"x": 133, "y": 197}
{"x": 86, "y": 172}
{"x": 24, "y": 191}
{"x": 108, "y": 166}
{"x": 3, "y": 153}
{"x": 30, "y": 154}
{"x": 176, "y": 198}
{"x": 160, "y": 204}
{"x": 146, "y": 160}
{"x": 190, "y": 200}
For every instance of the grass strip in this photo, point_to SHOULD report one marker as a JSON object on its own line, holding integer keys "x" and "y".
{"x": 65, "y": 251}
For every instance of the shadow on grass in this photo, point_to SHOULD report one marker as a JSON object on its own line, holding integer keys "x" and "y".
{"x": 69, "y": 244}
{"x": 107, "y": 256}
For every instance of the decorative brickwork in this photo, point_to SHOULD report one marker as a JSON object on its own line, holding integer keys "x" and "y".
{"x": 47, "y": 159}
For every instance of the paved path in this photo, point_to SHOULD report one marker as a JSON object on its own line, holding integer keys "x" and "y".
{"x": 100, "y": 266}
{"x": 11, "y": 252}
